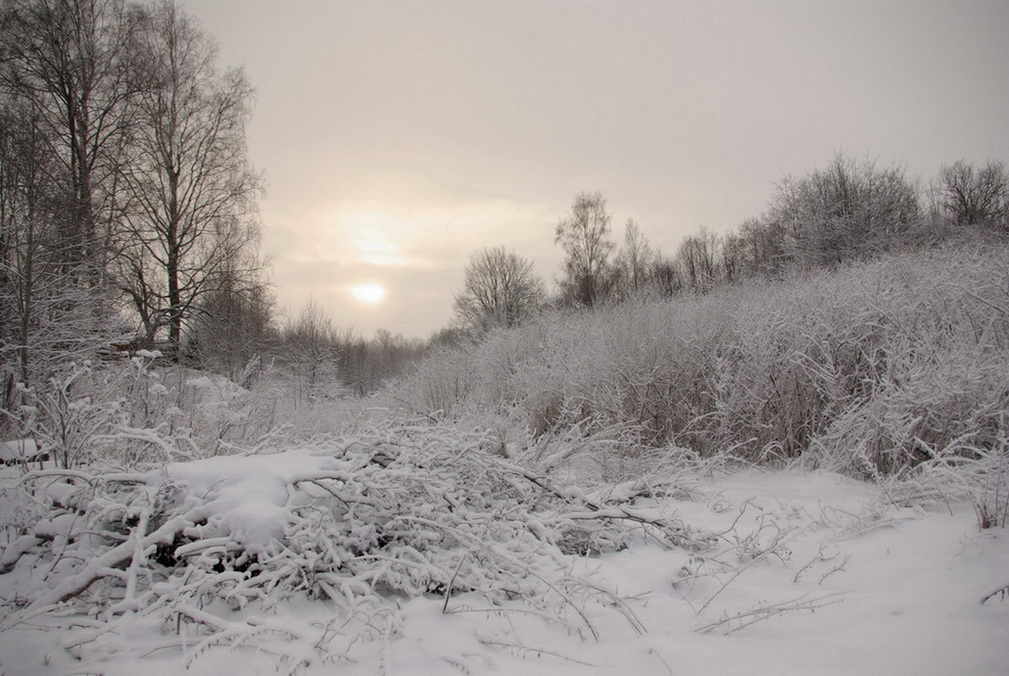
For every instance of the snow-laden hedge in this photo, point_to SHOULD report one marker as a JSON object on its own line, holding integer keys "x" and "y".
{"x": 870, "y": 369}
{"x": 203, "y": 549}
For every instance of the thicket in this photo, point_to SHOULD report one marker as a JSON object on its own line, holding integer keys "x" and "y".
{"x": 133, "y": 413}
{"x": 200, "y": 529}
{"x": 870, "y": 369}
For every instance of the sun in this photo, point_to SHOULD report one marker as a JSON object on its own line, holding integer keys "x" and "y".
{"x": 369, "y": 294}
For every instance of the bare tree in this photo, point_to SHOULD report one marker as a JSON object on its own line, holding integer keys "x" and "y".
{"x": 733, "y": 256}
{"x": 24, "y": 250}
{"x": 767, "y": 246}
{"x": 310, "y": 353}
{"x": 500, "y": 290}
{"x": 46, "y": 317}
{"x": 233, "y": 327}
{"x": 193, "y": 190}
{"x": 66, "y": 89}
{"x": 365, "y": 365}
{"x": 390, "y": 354}
{"x": 666, "y": 277}
{"x": 71, "y": 62}
{"x": 972, "y": 195}
{"x": 584, "y": 236}
{"x": 698, "y": 259}
{"x": 634, "y": 260}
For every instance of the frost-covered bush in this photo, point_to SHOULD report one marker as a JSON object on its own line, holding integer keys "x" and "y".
{"x": 932, "y": 362}
{"x": 59, "y": 420}
{"x": 132, "y": 411}
{"x": 870, "y": 369}
{"x": 965, "y": 470}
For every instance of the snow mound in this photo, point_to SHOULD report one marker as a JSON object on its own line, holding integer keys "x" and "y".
{"x": 247, "y": 496}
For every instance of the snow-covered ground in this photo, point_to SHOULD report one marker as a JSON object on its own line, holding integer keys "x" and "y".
{"x": 810, "y": 573}
{"x": 575, "y": 496}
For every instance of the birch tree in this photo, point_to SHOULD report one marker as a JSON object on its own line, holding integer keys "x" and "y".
{"x": 67, "y": 85}
{"x": 584, "y": 236}
{"x": 634, "y": 260}
{"x": 192, "y": 188}
{"x": 25, "y": 254}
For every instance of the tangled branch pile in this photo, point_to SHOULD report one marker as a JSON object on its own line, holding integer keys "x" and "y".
{"x": 201, "y": 549}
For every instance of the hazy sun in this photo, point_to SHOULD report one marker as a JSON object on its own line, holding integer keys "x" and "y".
{"x": 368, "y": 293}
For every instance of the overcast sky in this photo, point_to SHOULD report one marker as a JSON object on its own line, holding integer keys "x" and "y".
{"x": 399, "y": 136}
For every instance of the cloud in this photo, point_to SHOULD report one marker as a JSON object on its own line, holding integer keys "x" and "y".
{"x": 399, "y": 138}
{"x": 408, "y": 232}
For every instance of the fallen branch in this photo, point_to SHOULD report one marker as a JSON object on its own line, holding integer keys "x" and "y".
{"x": 677, "y": 535}
{"x": 96, "y": 569}
{"x": 537, "y": 651}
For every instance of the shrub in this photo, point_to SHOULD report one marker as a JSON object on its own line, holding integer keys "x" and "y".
{"x": 869, "y": 369}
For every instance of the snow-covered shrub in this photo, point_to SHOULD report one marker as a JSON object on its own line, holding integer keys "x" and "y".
{"x": 871, "y": 368}
{"x": 132, "y": 411}
{"x": 443, "y": 382}
{"x": 64, "y": 418}
{"x": 935, "y": 358}
{"x": 967, "y": 471}
{"x": 990, "y": 494}
{"x": 203, "y": 548}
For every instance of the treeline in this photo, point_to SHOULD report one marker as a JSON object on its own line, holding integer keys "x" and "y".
{"x": 850, "y": 210}
{"x": 307, "y": 355}
{"x": 128, "y": 203}
{"x": 321, "y": 361}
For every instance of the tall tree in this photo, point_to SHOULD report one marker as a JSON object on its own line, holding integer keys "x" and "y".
{"x": 698, "y": 259}
{"x": 634, "y": 260}
{"x": 47, "y": 316}
{"x": 192, "y": 188}
{"x": 500, "y": 290}
{"x": 767, "y": 245}
{"x": 70, "y": 61}
{"x": 584, "y": 236}
{"x": 233, "y": 327}
{"x": 310, "y": 353}
{"x": 24, "y": 255}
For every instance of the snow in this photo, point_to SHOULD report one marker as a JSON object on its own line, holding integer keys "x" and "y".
{"x": 21, "y": 450}
{"x": 887, "y": 590}
{"x": 248, "y": 494}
